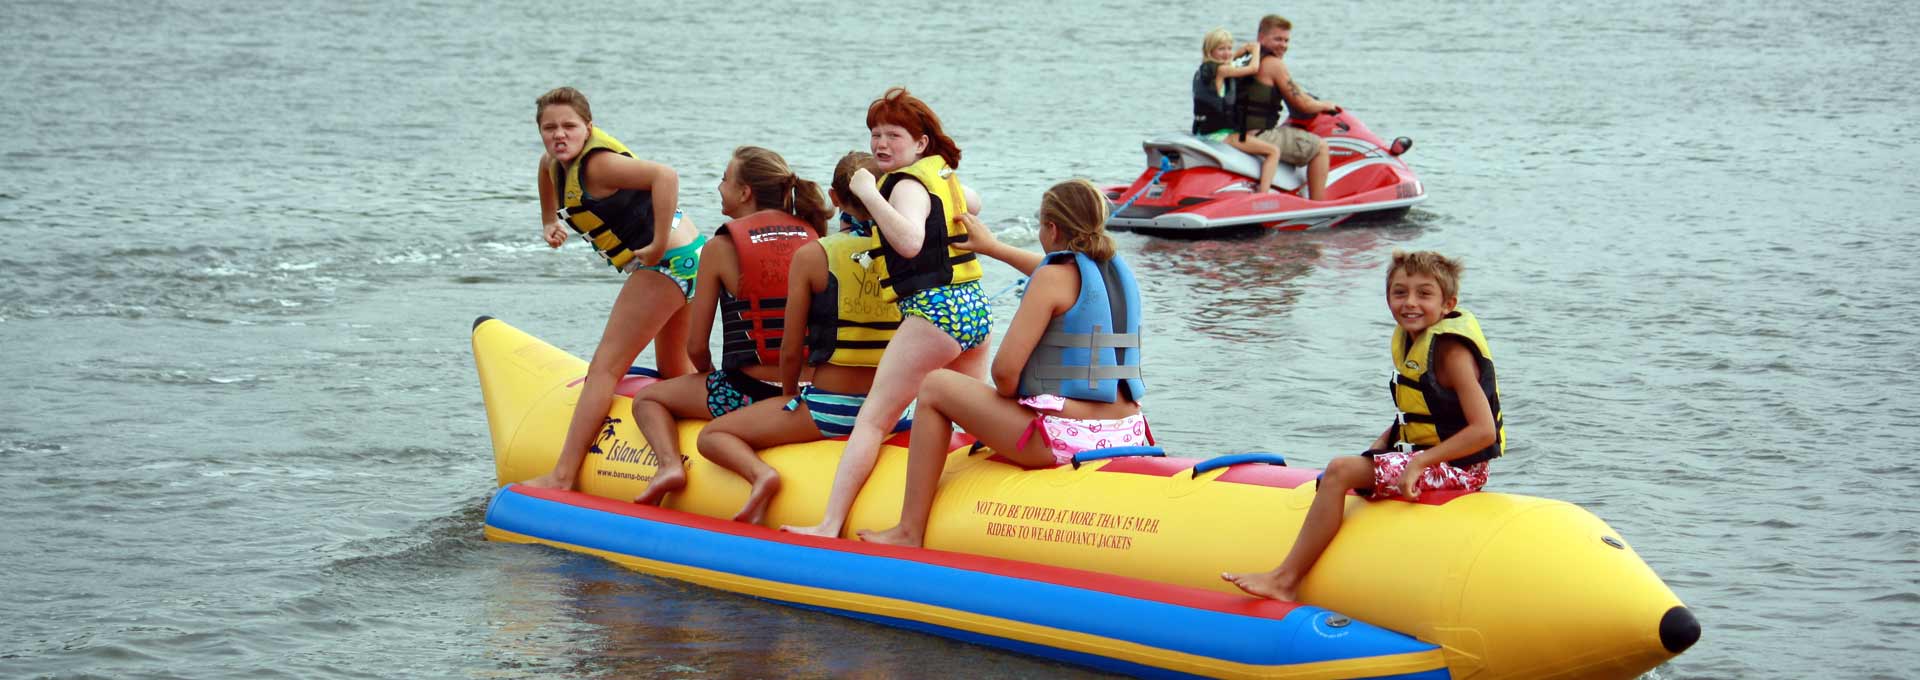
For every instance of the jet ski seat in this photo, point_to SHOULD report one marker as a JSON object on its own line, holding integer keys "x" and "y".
{"x": 1188, "y": 151}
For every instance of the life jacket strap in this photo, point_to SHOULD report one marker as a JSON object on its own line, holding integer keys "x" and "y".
{"x": 1090, "y": 340}
{"x": 1092, "y": 373}
{"x": 1400, "y": 433}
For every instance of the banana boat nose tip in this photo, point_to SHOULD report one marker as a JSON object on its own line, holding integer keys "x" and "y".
{"x": 483, "y": 319}
{"x": 1679, "y": 630}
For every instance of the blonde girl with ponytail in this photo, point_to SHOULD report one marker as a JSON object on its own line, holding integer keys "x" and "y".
{"x": 1042, "y": 407}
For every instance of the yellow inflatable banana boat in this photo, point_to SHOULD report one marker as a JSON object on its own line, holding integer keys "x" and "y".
{"x": 1476, "y": 585}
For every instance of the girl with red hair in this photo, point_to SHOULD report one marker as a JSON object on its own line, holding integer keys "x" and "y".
{"x": 917, "y": 204}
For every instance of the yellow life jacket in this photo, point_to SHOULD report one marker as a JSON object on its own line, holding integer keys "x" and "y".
{"x": 616, "y": 225}
{"x": 938, "y": 263}
{"x": 850, "y": 323}
{"x": 1430, "y": 413}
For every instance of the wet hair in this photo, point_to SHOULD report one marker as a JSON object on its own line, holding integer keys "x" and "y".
{"x": 775, "y": 187}
{"x": 1213, "y": 39}
{"x": 1273, "y": 21}
{"x": 842, "y": 184}
{"x": 563, "y": 95}
{"x": 1444, "y": 270}
{"x": 899, "y": 107}
{"x": 1079, "y": 211}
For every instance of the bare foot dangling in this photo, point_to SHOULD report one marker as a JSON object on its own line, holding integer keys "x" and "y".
{"x": 820, "y": 530}
{"x": 895, "y": 536}
{"x": 549, "y": 481}
{"x": 1267, "y": 584}
{"x": 663, "y": 483}
{"x": 755, "y": 511}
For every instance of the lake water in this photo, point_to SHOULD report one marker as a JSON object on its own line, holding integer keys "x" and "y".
{"x": 243, "y": 438}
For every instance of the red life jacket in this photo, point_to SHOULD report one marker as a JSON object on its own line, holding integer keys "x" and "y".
{"x": 753, "y": 319}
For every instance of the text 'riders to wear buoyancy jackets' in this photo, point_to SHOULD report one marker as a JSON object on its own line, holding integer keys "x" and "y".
{"x": 1430, "y": 413}
{"x": 1213, "y": 108}
{"x": 1092, "y": 352}
{"x": 617, "y": 225}
{"x": 751, "y": 319}
{"x": 849, "y": 323}
{"x": 938, "y": 263}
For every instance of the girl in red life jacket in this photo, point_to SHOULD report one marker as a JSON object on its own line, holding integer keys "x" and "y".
{"x": 584, "y": 169}
{"x": 828, "y": 300}
{"x": 743, "y": 278}
{"x": 1019, "y": 416}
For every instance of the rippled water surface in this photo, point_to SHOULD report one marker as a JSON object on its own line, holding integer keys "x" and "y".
{"x": 240, "y": 422}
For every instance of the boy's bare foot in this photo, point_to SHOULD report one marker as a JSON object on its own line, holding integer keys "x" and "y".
{"x": 894, "y": 536}
{"x": 755, "y": 510}
{"x": 1267, "y": 584}
{"x": 549, "y": 481}
{"x": 663, "y": 483}
{"x": 821, "y": 530}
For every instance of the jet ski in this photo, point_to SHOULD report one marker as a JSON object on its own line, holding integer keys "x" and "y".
{"x": 1193, "y": 187}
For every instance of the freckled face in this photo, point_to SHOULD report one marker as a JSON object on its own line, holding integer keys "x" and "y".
{"x": 893, "y": 147}
{"x": 563, "y": 132}
{"x": 1416, "y": 302}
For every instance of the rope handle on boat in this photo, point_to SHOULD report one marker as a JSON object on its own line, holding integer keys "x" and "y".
{"x": 1237, "y": 458}
{"x": 1091, "y": 455}
{"x": 1165, "y": 166}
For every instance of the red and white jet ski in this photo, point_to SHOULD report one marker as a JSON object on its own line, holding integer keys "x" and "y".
{"x": 1193, "y": 187}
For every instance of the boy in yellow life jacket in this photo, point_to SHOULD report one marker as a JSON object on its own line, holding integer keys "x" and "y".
{"x": 1447, "y": 429}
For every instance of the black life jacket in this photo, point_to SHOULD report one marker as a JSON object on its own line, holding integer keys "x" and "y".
{"x": 1212, "y": 110}
{"x": 1259, "y": 106}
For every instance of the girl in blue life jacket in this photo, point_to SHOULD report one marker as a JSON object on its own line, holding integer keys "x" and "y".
{"x": 1067, "y": 377}
{"x": 593, "y": 185}
{"x": 917, "y": 206}
{"x": 743, "y": 277}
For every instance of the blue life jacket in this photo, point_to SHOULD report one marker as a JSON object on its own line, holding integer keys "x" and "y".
{"x": 1092, "y": 352}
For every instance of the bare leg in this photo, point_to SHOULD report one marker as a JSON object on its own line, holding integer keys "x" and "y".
{"x": 974, "y": 362}
{"x": 670, "y": 353}
{"x": 1329, "y": 509}
{"x": 1269, "y": 157}
{"x": 645, "y": 303}
{"x": 1317, "y": 172}
{"x": 654, "y": 410}
{"x": 916, "y": 350}
{"x": 950, "y": 397}
{"x": 730, "y": 441}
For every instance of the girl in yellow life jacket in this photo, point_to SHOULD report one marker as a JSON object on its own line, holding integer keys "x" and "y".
{"x": 1067, "y": 376}
{"x": 834, "y": 295}
{"x": 591, "y": 184}
{"x": 916, "y": 206}
{"x": 742, "y": 281}
{"x": 1447, "y": 385}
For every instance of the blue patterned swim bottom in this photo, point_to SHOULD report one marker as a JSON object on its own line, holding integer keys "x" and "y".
{"x": 960, "y": 311}
{"x": 729, "y": 391}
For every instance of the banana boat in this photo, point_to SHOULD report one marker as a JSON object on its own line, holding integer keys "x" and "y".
{"x": 1113, "y": 562}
